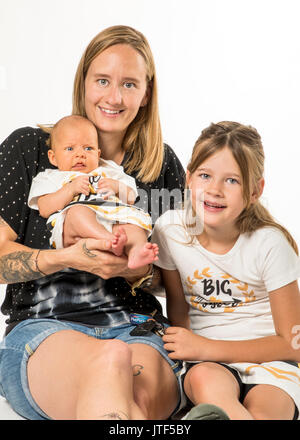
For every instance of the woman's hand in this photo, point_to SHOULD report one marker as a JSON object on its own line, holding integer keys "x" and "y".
{"x": 185, "y": 345}
{"x": 95, "y": 256}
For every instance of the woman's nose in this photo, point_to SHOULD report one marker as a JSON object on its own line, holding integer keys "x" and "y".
{"x": 114, "y": 95}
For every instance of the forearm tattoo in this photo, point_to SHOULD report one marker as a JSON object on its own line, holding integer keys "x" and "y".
{"x": 18, "y": 267}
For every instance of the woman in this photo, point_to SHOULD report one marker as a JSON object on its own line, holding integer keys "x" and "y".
{"x": 50, "y": 366}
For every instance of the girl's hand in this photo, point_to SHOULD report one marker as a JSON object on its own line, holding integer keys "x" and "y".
{"x": 185, "y": 345}
{"x": 80, "y": 185}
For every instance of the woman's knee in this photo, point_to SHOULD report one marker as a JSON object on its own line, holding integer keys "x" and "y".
{"x": 111, "y": 353}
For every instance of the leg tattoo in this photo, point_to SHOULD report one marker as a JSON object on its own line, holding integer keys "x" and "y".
{"x": 137, "y": 369}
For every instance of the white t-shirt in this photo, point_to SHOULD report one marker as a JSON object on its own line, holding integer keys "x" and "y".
{"x": 228, "y": 294}
{"x": 51, "y": 180}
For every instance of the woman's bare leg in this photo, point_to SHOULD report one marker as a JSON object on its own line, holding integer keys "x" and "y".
{"x": 155, "y": 385}
{"x": 74, "y": 376}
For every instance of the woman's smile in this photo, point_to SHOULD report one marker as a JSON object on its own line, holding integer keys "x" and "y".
{"x": 115, "y": 89}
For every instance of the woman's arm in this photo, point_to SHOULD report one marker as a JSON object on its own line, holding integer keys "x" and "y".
{"x": 19, "y": 263}
{"x": 177, "y": 307}
{"x": 285, "y": 306}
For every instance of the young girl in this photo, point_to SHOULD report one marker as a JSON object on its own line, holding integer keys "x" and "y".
{"x": 232, "y": 293}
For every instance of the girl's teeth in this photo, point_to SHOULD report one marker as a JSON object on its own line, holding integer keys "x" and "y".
{"x": 213, "y": 206}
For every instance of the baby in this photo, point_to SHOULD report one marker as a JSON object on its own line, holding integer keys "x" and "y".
{"x": 96, "y": 191}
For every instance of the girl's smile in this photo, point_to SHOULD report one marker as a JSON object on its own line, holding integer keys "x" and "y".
{"x": 216, "y": 185}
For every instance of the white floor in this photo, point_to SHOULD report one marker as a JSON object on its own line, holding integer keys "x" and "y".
{"x": 6, "y": 412}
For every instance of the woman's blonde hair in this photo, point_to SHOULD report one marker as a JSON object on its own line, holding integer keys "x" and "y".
{"x": 143, "y": 138}
{"x": 245, "y": 144}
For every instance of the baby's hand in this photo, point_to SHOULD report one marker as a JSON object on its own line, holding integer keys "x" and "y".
{"x": 80, "y": 185}
{"x": 108, "y": 187}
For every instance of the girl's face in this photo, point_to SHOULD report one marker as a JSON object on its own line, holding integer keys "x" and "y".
{"x": 115, "y": 88}
{"x": 217, "y": 192}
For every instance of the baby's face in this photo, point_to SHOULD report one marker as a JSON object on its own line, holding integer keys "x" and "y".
{"x": 75, "y": 148}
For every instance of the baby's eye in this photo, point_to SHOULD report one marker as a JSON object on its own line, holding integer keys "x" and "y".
{"x": 69, "y": 148}
{"x": 89, "y": 148}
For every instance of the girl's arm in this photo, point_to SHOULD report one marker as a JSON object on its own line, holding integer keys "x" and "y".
{"x": 177, "y": 307}
{"x": 53, "y": 202}
{"x": 285, "y": 306}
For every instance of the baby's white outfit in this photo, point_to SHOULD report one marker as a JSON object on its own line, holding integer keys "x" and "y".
{"x": 108, "y": 212}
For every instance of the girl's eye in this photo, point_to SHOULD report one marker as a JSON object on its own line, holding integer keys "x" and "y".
{"x": 89, "y": 148}
{"x": 231, "y": 180}
{"x": 204, "y": 176}
{"x": 69, "y": 148}
{"x": 102, "y": 82}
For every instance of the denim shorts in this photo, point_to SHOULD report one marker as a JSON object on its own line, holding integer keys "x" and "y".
{"x": 23, "y": 340}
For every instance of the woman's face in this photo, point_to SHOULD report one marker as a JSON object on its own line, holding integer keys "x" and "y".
{"x": 115, "y": 88}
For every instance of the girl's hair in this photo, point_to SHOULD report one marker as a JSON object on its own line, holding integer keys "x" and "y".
{"x": 245, "y": 144}
{"x": 143, "y": 138}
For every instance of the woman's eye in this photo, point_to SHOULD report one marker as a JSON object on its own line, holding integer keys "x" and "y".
{"x": 129, "y": 85}
{"x": 102, "y": 82}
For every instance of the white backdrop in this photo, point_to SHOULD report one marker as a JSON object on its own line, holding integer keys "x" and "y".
{"x": 216, "y": 60}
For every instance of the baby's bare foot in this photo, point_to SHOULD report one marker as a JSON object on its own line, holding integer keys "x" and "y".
{"x": 141, "y": 256}
{"x": 118, "y": 242}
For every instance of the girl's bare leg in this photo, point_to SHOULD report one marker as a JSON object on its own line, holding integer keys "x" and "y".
{"x": 267, "y": 402}
{"x": 74, "y": 376}
{"x": 212, "y": 383}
